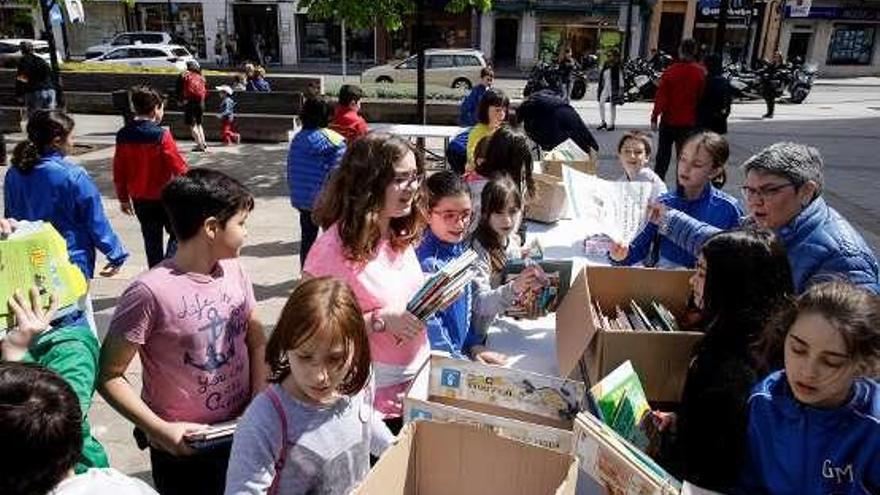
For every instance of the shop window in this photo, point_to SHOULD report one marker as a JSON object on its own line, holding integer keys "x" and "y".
{"x": 851, "y": 45}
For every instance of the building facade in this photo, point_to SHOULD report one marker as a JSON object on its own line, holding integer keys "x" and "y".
{"x": 841, "y": 38}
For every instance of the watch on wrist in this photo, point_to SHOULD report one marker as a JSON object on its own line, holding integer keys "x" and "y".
{"x": 377, "y": 324}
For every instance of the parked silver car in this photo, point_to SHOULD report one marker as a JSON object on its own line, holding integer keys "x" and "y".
{"x": 454, "y": 68}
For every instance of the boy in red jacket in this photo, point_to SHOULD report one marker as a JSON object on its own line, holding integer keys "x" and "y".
{"x": 146, "y": 159}
{"x": 346, "y": 120}
{"x": 680, "y": 90}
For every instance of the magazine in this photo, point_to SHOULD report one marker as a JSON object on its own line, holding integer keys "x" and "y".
{"x": 35, "y": 255}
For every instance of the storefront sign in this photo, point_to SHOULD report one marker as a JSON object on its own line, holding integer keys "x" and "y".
{"x": 843, "y": 13}
{"x": 735, "y": 9}
{"x": 799, "y": 8}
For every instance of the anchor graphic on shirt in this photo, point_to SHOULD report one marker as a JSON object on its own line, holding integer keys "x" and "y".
{"x": 213, "y": 360}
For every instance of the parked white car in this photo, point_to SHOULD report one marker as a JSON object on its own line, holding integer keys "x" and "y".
{"x": 453, "y": 68}
{"x": 130, "y": 38}
{"x": 10, "y": 51}
{"x": 169, "y": 56}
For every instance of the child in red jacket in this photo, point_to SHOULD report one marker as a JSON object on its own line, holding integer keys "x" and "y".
{"x": 346, "y": 120}
{"x": 146, "y": 159}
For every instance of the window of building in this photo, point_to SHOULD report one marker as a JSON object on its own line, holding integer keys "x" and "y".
{"x": 851, "y": 44}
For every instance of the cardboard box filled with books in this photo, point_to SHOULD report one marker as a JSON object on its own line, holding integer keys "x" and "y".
{"x": 614, "y": 314}
{"x": 524, "y": 406}
{"x": 441, "y": 458}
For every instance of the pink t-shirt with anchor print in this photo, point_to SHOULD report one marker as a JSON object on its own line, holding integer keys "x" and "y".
{"x": 191, "y": 329}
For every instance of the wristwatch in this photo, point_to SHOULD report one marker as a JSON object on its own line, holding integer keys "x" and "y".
{"x": 376, "y": 322}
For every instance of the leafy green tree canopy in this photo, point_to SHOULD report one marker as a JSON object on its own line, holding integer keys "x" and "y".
{"x": 388, "y": 13}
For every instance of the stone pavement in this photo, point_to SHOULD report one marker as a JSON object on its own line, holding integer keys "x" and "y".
{"x": 841, "y": 122}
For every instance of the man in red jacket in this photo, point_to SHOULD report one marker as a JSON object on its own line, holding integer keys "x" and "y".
{"x": 675, "y": 104}
{"x": 146, "y": 159}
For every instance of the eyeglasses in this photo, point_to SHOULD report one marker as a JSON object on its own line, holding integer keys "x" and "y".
{"x": 764, "y": 193}
{"x": 454, "y": 216}
{"x": 410, "y": 180}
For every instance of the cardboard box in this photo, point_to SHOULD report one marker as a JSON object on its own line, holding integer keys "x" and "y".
{"x": 661, "y": 359}
{"x": 520, "y": 405}
{"x": 615, "y": 465}
{"x": 550, "y": 202}
{"x": 554, "y": 167}
{"x": 447, "y": 458}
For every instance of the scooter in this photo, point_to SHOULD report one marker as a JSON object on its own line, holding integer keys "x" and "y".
{"x": 546, "y": 76}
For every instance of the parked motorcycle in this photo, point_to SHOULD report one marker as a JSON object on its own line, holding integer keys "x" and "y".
{"x": 640, "y": 79}
{"x": 546, "y": 76}
{"x": 795, "y": 79}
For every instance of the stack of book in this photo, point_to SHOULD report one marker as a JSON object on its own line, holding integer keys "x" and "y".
{"x": 555, "y": 276}
{"x": 443, "y": 287}
{"x": 657, "y": 318}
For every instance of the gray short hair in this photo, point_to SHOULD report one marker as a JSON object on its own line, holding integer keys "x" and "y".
{"x": 798, "y": 163}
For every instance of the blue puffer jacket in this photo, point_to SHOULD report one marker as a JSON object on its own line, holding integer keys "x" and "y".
{"x": 313, "y": 154}
{"x": 821, "y": 246}
{"x": 62, "y": 193}
{"x": 449, "y": 330}
{"x": 467, "y": 115}
{"x": 714, "y": 206}
{"x": 795, "y": 449}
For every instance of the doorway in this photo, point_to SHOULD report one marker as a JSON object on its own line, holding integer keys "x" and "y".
{"x": 671, "y": 30}
{"x": 506, "y": 41}
{"x": 256, "y": 30}
{"x": 799, "y": 45}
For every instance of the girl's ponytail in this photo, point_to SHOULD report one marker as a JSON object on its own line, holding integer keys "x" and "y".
{"x": 43, "y": 129}
{"x": 25, "y": 156}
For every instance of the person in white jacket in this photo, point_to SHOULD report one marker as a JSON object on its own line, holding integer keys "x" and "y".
{"x": 610, "y": 88}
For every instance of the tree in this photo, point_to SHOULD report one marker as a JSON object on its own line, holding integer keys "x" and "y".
{"x": 390, "y": 14}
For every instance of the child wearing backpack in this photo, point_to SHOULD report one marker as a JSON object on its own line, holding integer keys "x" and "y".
{"x": 814, "y": 426}
{"x": 228, "y": 131}
{"x": 192, "y": 322}
{"x": 192, "y": 89}
{"x": 313, "y": 429}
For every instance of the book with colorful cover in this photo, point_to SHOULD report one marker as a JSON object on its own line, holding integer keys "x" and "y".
{"x": 623, "y": 405}
{"x": 35, "y": 255}
{"x": 443, "y": 287}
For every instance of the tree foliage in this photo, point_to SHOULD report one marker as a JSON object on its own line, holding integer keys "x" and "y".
{"x": 387, "y": 13}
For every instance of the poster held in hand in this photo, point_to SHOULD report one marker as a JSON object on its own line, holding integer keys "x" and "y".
{"x": 616, "y": 209}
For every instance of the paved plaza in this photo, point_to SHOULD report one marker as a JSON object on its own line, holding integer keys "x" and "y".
{"x": 842, "y": 120}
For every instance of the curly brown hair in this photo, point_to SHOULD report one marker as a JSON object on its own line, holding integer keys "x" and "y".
{"x": 317, "y": 306}
{"x": 355, "y": 195}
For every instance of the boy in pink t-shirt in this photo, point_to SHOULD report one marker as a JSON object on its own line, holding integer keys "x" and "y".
{"x": 191, "y": 320}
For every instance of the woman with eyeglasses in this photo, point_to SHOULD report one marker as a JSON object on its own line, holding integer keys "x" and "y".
{"x": 783, "y": 192}
{"x": 371, "y": 227}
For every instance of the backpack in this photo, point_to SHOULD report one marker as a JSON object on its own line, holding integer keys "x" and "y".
{"x": 194, "y": 87}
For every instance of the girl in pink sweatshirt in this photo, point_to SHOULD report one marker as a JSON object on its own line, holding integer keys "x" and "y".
{"x": 370, "y": 222}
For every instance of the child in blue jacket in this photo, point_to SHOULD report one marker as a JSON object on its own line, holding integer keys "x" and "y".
{"x": 314, "y": 152}
{"x": 467, "y": 115}
{"x": 700, "y": 176}
{"x": 814, "y": 426}
{"x": 44, "y": 185}
{"x": 449, "y": 214}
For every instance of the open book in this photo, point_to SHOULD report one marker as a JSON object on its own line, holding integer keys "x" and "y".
{"x": 35, "y": 255}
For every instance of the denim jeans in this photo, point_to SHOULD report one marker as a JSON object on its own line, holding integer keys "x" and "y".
{"x": 154, "y": 220}
{"x": 43, "y": 99}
